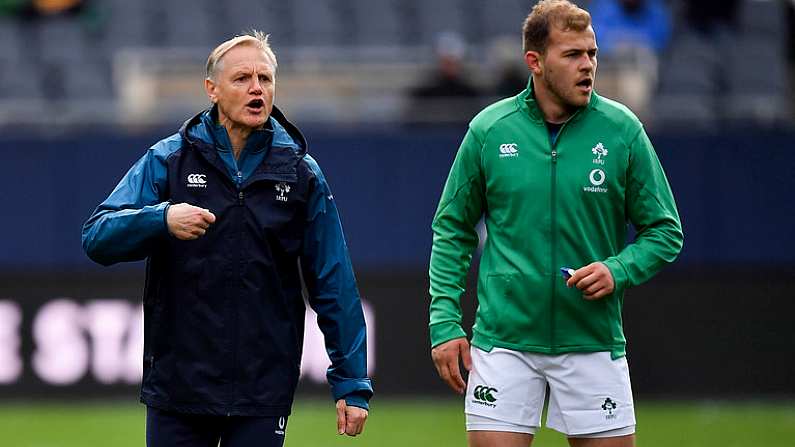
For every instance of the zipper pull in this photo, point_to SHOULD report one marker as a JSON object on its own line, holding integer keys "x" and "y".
{"x": 240, "y": 197}
{"x": 554, "y": 156}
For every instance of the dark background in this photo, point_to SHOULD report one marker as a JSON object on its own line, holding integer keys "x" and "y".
{"x": 720, "y": 322}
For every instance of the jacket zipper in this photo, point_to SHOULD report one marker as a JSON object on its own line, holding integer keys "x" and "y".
{"x": 232, "y": 306}
{"x": 235, "y": 181}
{"x": 553, "y": 229}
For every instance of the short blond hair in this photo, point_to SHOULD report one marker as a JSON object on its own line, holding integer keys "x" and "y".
{"x": 255, "y": 38}
{"x": 561, "y": 14}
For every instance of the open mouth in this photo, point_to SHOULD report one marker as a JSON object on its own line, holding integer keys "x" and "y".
{"x": 256, "y": 104}
{"x": 585, "y": 84}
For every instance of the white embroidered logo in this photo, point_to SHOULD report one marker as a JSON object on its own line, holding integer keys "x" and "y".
{"x": 600, "y": 151}
{"x": 282, "y": 189}
{"x": 597, "y": 177}
{"x": 280, "y": 431}
{"x": 197, "y": 181}
{"x": 509, "y": 150}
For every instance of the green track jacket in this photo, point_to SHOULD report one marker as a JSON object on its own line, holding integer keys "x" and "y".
{"x": 547, "y": 206}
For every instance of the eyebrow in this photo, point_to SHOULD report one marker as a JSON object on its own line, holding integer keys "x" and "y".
{"x": 247, "y": 71}
{"x": 579, "y": 50}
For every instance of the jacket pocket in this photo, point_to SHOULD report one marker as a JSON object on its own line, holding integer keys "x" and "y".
{"x": 515, "y": 309}
{"x": 580, "y": 322}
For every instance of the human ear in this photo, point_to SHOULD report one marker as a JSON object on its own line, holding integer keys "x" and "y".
{"x": 209, "y": 88}
{"x": 534, "y": 61}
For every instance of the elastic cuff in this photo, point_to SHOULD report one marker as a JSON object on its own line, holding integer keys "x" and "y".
{"x": 619, "y": 273}
{"x": 165, "y": 206}
{"x": 361, "y": 387}
{"x": 442, "y": 332}
{"x": 356, "y": 400}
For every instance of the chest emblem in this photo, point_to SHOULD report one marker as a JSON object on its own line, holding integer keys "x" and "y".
{"x": 282, "y": 189}
{"x": 597, "y": 177}
{"x": 509, "y": 150}
{"x": 196, "y": 181}
{"x": 600, "y": 151}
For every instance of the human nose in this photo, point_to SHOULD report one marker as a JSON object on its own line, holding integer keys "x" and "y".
{"x": 255, "y": 87}
{"x": 587, "y": 63}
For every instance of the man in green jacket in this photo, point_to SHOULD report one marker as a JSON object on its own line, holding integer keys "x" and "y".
{"x": 558, "y": 172}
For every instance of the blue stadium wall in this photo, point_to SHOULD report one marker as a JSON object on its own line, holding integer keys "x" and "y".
{"x": 720, "y": 322}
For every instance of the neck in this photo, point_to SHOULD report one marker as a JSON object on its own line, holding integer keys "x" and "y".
{"x": 552, "y": 107}
{"x": 237, "y": 135}
{"x": 238, "y": 138}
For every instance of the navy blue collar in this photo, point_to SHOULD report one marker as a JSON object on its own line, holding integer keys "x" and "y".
{"x": 258, "y": 141}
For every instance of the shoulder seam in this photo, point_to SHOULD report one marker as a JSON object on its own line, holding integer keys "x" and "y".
{"x": 170, "y": 152}
{"x": 514, "y": 109}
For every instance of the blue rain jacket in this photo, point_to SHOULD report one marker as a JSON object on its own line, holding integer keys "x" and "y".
{"x": 224, "y": 314}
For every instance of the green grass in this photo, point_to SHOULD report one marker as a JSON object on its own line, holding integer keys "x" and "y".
{"x": 403, "y": 422}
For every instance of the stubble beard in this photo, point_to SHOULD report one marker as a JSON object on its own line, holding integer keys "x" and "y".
{"x": 570, "y": 101}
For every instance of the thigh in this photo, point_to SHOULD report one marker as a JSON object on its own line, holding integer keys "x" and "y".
{"x": 243, "y": 431}
{"x": 169, "y": 429}
{"x": 505, "y": 393}
{"x": 590, "y": 395}
{"x": 613, "y": 441}
{"x": 498, "y": 439}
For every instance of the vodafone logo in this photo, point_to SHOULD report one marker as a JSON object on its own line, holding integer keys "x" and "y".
{"x": 597, "y": 177}
{"x": 197, "y": 181}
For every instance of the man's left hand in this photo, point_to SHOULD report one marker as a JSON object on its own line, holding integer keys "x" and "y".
{"x": 350, "y": 419}
{"x": 595, "y": 281}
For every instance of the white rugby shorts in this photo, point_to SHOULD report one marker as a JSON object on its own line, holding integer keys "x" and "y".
{"x": 590, "y": 393}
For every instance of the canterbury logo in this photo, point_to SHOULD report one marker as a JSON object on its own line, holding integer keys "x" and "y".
{"x": 197, "y": 181}
{"x": 483, "y": 393}
{"x": 509, "y": 150}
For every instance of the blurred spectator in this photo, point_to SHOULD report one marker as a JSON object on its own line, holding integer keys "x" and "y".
{"x": 55, "y": 7}
{"x": 791, "y": 55}
{"x": 511, "y": 81}
{"x": 630, "y": 23}
{"x": 447, "y": 94}
{"x": 448, "y": 80}
{"x": 709, "y": 16}
{"x": 47, "y": 8}
{"x": 11, "y": 7}
{"x": 791, "y": 34}
{"x": 512, "y": 74}
{"x": 630, "y": 34}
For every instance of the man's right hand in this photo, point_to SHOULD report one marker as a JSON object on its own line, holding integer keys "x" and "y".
{"x": 445, "y": 357}
{"x": 188, "y": 222}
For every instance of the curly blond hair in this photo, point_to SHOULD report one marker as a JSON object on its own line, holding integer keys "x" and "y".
{"x": 561, "y": 14}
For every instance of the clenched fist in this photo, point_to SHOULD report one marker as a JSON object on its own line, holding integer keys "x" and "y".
{"x": 595, "y": 281}
{"x": 188, "y": 222}
{"x": 350, "y": 419}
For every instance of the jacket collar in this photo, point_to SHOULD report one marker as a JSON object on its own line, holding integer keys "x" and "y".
{"x": 212, "y": 131}
{"x": 526, "y": 101}
{"x": 286, "y": 144}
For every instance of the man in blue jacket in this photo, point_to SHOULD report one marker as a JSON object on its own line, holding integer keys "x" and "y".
{"x": 234, "y": 219}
